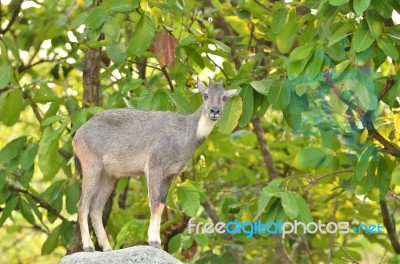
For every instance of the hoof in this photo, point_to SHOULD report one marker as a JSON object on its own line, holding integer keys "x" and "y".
{"x": 155, "y": 244}
{"x": 88, "y": 249}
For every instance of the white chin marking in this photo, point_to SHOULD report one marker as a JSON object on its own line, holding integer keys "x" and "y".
{"x": 205, "y": 126}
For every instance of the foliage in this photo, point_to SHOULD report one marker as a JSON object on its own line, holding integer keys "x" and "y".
{"x": 323, "y": 76}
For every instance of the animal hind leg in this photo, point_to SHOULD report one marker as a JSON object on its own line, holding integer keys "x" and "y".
{"x": 103, "y": 192}
{"x": 89, "y": 180}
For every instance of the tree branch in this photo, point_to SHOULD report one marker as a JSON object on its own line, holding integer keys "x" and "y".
{"x": 389, "y": 83}
{"x": 390, "y": 227}
{"x": 365, "y": 117}
{"x": 322, "y": 176}
{"x": 41, "y": 202}
{"x": 16, "y": 9}
{"x": 283, "y": 257}
{"x": 165, "y": 72}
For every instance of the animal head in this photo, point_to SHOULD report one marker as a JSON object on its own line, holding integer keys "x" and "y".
{"x": 214, "y": 97}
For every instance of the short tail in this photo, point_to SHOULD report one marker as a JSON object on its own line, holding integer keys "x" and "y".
{"x": 78, "y": 167}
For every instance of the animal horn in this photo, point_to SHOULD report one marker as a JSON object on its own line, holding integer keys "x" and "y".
{"x": 210, "y": 81}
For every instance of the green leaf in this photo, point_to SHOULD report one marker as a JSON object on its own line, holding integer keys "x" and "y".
{"x": 300, "y": 53}
{"x": 248, "y": 106}
{"x": 394, "y": 179}
{"x": 116, "y": 52}
{"x": 186, "y": 241}
{"x": 11, "y": 204}
{"x": 10, "y": 106}
{"x": 311, "y": 157}
{"x": 295, "y": 68}
{"x": 383, "y": 7}
{"x": 375, "y": 22}
{"x": 72, "y": 197}
{"x": 366, "y": 91}
{"x": 262, "y": 86}
{"x": 305, "y": 215}
{"x": 279, "y": 20}
{"x": 51, "y": 120}
{"x": 12, "y": 149}
{"x": 142, "y": 37}
{"x": 340, "y": 68}
{"x": 289, "y": 204}
{"x": 394, "y": 92}
{"x": 181, "y": 103}
{"x": 48, "y": 154}
{"x": 189, "y": 198}
{"x": 121, "y": 6}
{"x": 388, "y": 47}
{"x": 201, "y": 239}
{"x": 131, "y": 85}
{"x": 195, "y": 56}
{"x": 174, "y": 244}
{"x": 52, "y": 241}
{"x": 230, "y": 116}
{"x": 339, "y": 34}
{"x": 362, "y": 38}
{"x": 27, "y": 157}
{"x": 314, "y": 65}
{"x": 79, "y": 20}
{"x": 66, "y": 232}
{"x": 26, "y": 211}
{"x": 5, "y": 76}
{"x": 279, "y": 94}
{"x": 362, "y": 165}
{"x": 146, "y": 99}
{"x": 338, "y": 2}
{"x": 285, "y": 38}
{"x": 383, "y": 179}
{"x": 361, "y": 5}
{"x": 96, "y": 17}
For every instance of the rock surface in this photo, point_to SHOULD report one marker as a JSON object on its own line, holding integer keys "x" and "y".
{"x": 137, "y": 254}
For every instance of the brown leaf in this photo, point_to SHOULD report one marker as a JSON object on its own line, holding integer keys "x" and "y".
{"x": 164, "y": 46}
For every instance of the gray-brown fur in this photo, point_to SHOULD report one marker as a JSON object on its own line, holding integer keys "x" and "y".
{"x": 130, "y": 142}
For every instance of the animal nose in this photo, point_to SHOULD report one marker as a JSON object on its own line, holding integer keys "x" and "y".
{"x": 215, "y": 111}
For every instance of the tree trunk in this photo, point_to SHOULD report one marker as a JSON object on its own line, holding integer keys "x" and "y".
{"x": 91, "y": 97}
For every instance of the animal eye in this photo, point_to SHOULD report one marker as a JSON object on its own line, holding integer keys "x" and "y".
{"x": 205, "y": 96}
{"x": 223, "y": 98}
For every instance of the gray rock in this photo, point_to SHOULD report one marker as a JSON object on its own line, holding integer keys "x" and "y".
{"x": 137, "y": 254}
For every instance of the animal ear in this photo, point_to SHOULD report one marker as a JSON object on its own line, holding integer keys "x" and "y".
{"x": 231, "y": 93}
{"x": 210, "y": 81}
{"x": 200, "y": 85}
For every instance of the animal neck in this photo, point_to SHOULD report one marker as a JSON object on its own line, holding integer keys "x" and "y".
{"x": 204, "y": 125}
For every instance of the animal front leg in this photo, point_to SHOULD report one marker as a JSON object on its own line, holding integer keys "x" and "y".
{"x": 158, "y": 191}
{"x": 155, "y": 223}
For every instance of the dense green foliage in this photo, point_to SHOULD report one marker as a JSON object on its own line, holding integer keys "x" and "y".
{"x": 321, "y": 75}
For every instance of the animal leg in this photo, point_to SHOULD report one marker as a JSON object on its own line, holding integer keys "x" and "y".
{"x": 103, "y": 191}
{"x": 158, "y": 191}
{"x": 89, "y": 180}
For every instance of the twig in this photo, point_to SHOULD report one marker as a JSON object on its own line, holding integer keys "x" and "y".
{"x": 365, "y": 117}
{"x": 165, "y": 72}
{"x": 347, "y": 253}
{"x": 212, "y": 213}
{"x": 41, "y": 202}
{"x": 216, "y": 65}
{"x": 17, "y": 6}
{"x": 262, "y": 5}
{"x": 389, "y": 83}
{"x": 322, "y": 176}
{"x": 265, "y": 151}
{"x": 383, "y": 257}
{"x": 280, "y": 249}
{"x": 390, "y": 227}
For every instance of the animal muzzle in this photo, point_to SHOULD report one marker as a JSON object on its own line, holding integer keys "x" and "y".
{"x": 214, "y": 113}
